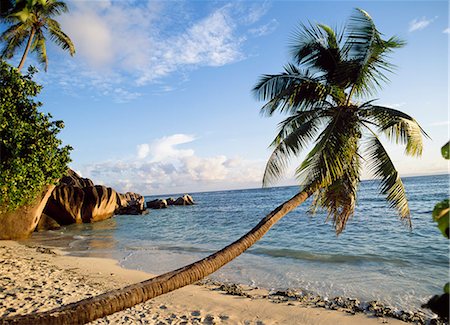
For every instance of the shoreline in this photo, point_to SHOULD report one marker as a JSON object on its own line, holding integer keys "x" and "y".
{"x": 32, "y": 274}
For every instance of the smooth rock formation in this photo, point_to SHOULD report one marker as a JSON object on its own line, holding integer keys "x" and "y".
{"x": 20, "y": 223}
{"x": 64, "y": 205}
{"x": 47, "y": 223}
{"x": 184, "y": 200}
{"x": 71, "y": 204}
{"x": 73, "y": 179}
{"x": 131, "y": 203}
{"x": 157, "y": 204}
{"x": 100, "y": 203}
{"x": 170, "y": 201}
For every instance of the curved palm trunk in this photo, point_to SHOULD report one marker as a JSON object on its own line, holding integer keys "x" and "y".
{"x": 110, "y": 302}
{"x": 27, "y": 49}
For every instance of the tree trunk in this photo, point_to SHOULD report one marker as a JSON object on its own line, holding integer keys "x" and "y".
{"x": 87, "y": 310}
{"x": 24, "y": 56}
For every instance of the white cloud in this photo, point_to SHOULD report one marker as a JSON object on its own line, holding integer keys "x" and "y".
{"x": 161, "y": 167}
{"x": 265, "y": 29}
{"x": 143, "y": 150}
{"x": 420, "y": 23}
{"x": 447, "y": 30}
{"x": 148, "y": 47}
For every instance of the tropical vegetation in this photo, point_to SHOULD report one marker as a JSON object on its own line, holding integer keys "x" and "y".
{"x": 440, "y": 304}
{"x": 320, "y": 92}
{"x": 323, "y": 92}
{"x": 31, "y": 154}
{"x": 31, "y": 21}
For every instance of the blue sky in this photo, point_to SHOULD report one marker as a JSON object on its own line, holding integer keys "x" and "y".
{"x": 158, "y": 96}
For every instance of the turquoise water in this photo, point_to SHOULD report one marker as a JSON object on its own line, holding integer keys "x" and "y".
{"x": 377, "y": 257}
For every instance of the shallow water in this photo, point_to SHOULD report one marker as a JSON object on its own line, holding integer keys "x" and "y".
{"x": 376, "y": 258}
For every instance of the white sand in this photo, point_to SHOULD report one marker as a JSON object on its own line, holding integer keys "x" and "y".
{"x": 36, "y": 279}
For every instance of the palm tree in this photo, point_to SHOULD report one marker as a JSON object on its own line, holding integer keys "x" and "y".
{"x": 31, "y": 20}
{"x": 322, "y": 96}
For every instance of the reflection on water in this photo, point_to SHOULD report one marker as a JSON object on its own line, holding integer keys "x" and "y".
{"x": 87, "y": 239}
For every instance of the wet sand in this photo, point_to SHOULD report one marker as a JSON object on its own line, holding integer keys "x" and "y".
{"x": 34, "y": 278}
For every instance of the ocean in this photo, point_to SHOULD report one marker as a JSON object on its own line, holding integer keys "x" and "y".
{"x": 377, "y": 257}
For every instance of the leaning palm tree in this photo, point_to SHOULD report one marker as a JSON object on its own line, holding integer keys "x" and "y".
{"x": 31, "y": 20}
{"x": 318, "y": 93}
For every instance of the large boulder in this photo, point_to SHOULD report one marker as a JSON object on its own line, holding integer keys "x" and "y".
{"x": 70, "y": 204}
{"x": 65, "y": 203}
{"x": 157, "y": 204}
{"x": 100, "y": 203}
{"x": 131, "y": 203}
{"x": 184, "y": 200}
{"x": 170, "y": 201}
{"x": 47, "y": 223}
{"x": 20, "y": 223}
{"x": 73, "y": 179}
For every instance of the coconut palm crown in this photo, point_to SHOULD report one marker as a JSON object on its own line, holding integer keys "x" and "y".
{"x": 322, "y": 92}
{"x": 30, "y": 21}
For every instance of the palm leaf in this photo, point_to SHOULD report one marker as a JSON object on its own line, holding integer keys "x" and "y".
{"x": 40, "y": 48}
{"x": 391, "y": 184}
{"x": 14, "y": 37}
{"x": 367, "y": 54}
{"x": 59, "y": 37}
{"x": 397, "y": 126}
{"x": 317, "y": 47}
{"x": 289, "y": 91}
{"x": 335, "y": 147}
{"x": 294, "y": 134}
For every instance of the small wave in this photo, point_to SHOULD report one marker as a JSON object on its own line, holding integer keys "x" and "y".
{"x": 325, "y": 258}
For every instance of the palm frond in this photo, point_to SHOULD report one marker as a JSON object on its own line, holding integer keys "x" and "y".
{"x": 289, "y": 91}
{"x": 332, "y": 154}
{"x": 391, "y": 184}
{"x": 317, "y": 47}
{"x": 54, "y": 8}
{"x": 294, "y": 134}
{"x": 59, "y": 37}
{"x": 367, "y": 54}
{"x": 13, "y": 37}
{"x": 397, "y": 126}
{"x": 39, "y": 46}
{"x": 339, "y": 197}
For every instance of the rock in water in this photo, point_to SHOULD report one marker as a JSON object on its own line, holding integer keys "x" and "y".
{"x": 184, "y": 200}
{"x": 47, "y": 223}
{"x": 131, "y": 203}
{"x": 157, "y": 204}
{"x": 100, "y": 203}
{"x": 65, "y": 203}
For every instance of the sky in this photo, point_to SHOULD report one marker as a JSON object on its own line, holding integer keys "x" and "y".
{"x": 158, "y": 97}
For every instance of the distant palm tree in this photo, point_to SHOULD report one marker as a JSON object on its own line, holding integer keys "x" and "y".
{"x": 338, "y": 69}
{"x": 31, "y": 20}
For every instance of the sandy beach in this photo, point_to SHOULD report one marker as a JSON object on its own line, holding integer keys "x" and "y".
{"x": 35, "y": 279}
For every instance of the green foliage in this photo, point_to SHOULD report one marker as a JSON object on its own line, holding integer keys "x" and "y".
{"x": 31, "y": 156}
{"x": 320, "y": 92}
{"x": 31, "y": 23}
{"x": 440, "y": 304}
{"x": 441, "y": 216}
{"x": 445, "y": 150}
